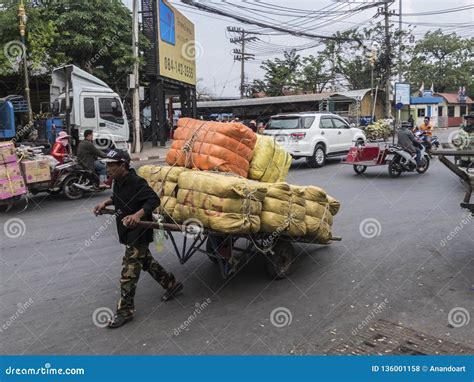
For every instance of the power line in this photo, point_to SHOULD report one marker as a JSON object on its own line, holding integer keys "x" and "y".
{"x": 438, "y": 12}
{"x": 262, "y": 24}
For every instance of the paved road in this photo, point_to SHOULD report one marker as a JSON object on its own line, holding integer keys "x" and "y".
{"x": 409, "y": 266}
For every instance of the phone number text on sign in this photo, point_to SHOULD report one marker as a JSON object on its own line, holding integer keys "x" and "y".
{"x": 179, "y": 68}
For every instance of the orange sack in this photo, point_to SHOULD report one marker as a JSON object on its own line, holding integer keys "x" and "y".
{"x": 209, "y": 145}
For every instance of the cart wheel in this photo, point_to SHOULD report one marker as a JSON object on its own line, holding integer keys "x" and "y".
{"x": 280, "y": 264}
{"x": 359, "y": 169}
{"x": 210, "y": 251}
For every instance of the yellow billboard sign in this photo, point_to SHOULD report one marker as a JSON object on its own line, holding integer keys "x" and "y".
{"x": 176, "y": 45}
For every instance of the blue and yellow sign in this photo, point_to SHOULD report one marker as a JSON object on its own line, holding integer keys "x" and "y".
{"x": 176, "y": 44}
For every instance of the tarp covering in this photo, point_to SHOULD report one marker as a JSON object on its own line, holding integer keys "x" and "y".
{"x": 209, "y": 145}
{"x": 270, "y": 161}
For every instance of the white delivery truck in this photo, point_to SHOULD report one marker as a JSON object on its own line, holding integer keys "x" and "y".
{"x": 93, "y": 105}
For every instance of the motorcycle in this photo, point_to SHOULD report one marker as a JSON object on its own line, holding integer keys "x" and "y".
{"x": 424, "y": 138}
{"x": 70, "y": 178}
{"x": 403, "y": 161}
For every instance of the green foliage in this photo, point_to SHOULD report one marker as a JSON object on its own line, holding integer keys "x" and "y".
{"x": 281, "y": 74}
{"x": 92, "y": 34}
{"x": 446, "y": 60}
{"x": 378, "y": 130}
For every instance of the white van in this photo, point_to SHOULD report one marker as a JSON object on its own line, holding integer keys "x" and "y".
{"x": 94, "y": 106}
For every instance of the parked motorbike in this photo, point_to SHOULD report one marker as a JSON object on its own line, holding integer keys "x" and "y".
{"x": 403, "y": 161}
{"x": 423, "y": 137}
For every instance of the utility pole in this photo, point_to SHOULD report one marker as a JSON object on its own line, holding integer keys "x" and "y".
{"x": 136, "y": 83}
{"x": 400, "y": 78}
{"x": 388, "y": 51}
{"x": 240, "y": 54}
{"x": 22, "y": 25}
{"x": 372, "y": 60}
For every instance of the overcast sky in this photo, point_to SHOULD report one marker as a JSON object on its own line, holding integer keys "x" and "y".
{"x": 217, "y": 70}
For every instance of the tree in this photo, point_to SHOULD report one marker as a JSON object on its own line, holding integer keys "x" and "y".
{"x": 446, "y": 60}
{"x": 313, "y": 77}
{"x": 94, "y": 35}
{"x": 280, "y": 74}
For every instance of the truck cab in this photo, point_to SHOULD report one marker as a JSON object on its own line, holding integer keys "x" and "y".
{"x": 93, "y": 106}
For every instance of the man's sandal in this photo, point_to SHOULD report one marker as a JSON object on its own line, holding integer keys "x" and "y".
{"x": 118, "y": 321}
{"x": 172, "y": 292}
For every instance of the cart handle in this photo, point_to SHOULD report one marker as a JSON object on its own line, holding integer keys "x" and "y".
{"x": 153, "y": 225}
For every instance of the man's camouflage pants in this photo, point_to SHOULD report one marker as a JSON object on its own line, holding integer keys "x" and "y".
{"x": 136, "y": 258}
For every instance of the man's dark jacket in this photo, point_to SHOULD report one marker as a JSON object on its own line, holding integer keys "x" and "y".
{"x": 131, "y": 194}
{"x": 88, "y": 153}
{"x": 407, "y": 140}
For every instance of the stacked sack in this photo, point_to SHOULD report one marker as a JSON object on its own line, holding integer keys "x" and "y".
{"x": 270, "y": 161}
{"x": 164, "y": 181}
{"x": 209, "y": 145}
{"x": 320, "y": 209}
{"x": 283, "y": 210}
{"x": 221, "y": 202}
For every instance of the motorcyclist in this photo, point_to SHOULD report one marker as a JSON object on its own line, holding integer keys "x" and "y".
{"x": 407, "y": 140}
{"x": 465, "y": 138}
{"x": 427, "y": 129}
{"x": 61, "y": 148}
{"x": 87, "y": 154}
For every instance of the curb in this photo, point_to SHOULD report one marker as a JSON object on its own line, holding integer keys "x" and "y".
{"x": 156, "y": 157}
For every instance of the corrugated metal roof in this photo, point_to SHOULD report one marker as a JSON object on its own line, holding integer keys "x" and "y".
{"x": 355, "y": 94}
{"x": 453, "y": 97}
{"x": 265, "y": 100}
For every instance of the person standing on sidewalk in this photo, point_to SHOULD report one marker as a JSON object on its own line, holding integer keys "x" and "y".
{"x": 134, "y": 199}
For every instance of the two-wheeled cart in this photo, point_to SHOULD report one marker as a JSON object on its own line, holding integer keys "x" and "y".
{"x": 363, "y": 156}
{"x": 222, "y": 249}
{"x": 465, "y": 174}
